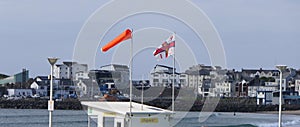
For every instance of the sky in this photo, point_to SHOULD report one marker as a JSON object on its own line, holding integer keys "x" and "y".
{"x": 255, "y": 34}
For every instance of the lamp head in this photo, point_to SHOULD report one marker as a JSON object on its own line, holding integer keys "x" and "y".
{"x": 52, "y": 60}
{"x": 281, "y": 67}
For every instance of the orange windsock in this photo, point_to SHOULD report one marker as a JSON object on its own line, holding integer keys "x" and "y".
{"x": 122, "y": 37}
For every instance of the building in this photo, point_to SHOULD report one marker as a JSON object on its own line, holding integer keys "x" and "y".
{"x": 259, "y": 72}
{"x": 223, "y": 89}
{"x": 119, "y": 115}
{"x": 61, "y": 87}
{"x": 241, "y": 89}
{"x": 88, "y": 85}
{"x": 19, "y": 92}
{"x": 297, "y": 86}
{"x": 264, "y": 97}
{"x": 163, "y": 76}
{"x": 288, "y": 97}
{"x": 3, "y": 91}
{"x": 81, "y": 75}
{"x": 68, "y": 70}
{"x": 41, "y": 85}
{"x": 250, "y": 81}
{"x": 119, "y": 73}
{"x": 21, "y": 77}
{"x": 196, "y": 76}
{"x": 184, "y": 80}
{"x": 209, "y": 80}
{"x": 87, "y": 88}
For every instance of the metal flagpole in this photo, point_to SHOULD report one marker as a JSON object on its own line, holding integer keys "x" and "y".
{"x": 130, "y": 73}
{"x": 173, "y": 84}
{"x": 142, "y": 101}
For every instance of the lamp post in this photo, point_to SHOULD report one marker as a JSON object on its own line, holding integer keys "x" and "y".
{"x": 281, "y": 68}
{"x": 52, "y": 61}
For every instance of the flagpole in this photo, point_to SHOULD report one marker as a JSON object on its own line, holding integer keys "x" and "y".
{"x": 173, "y": 84}
{"x": 142, "y": 99}
{"x": 130, "y": 74}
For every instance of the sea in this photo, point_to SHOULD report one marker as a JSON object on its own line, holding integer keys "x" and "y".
{"x": 75, "y": 118}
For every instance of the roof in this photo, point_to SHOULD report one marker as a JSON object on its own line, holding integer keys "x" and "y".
{"x": 169, "y": 73}
{"x": 158, "y": 65}
{"x": 258, "y": 70}
{"x": 43, "y": 77}
{"x": 199, "y": 72}
{"x": 58, "y": 65}
{"x": 123, "y": 108}
{"x": 116, "y": 66}
{"x": 3, "y": 76}
{"x": 69, "y": 63}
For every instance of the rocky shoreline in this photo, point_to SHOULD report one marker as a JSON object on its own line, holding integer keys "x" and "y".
{"x": 32, "y": 103}
{"x": 224, "y": 105}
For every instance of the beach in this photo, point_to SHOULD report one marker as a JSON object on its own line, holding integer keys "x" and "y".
{"x": 294, "y": 112}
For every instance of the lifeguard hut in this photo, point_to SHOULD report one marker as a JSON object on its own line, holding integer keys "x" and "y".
{"x": 140, "y": 115}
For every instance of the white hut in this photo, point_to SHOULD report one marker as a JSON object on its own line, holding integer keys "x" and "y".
{"x": 140, "y": 115}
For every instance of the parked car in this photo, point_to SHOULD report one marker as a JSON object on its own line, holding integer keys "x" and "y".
{"x": 14, "y": 97}
{"x": 36, "y": 96}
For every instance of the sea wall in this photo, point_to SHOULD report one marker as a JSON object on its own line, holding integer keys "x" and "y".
{"x": 31, "y": 103}
{"x": 223, "y": 105}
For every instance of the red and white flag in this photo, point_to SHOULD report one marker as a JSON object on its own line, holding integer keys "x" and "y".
{"x": 166, "y": 47}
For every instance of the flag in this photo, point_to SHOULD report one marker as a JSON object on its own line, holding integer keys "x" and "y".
{"x": 122, "y": 37}
{"x": 171, "y": 46}
{"x": 158, "y": 52}
{"x": 166, "y": 47}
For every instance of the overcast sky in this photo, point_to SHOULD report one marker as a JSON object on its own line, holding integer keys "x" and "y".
{"x": 255, "y": 33}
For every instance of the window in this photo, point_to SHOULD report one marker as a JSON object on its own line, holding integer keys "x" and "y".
{"x": 165, "y": 80}
{"x": 182, "y": 81}
{"x": 119, "y": 124}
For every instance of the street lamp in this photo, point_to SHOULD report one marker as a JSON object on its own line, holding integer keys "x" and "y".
{"x": 281, "y": 68}
{"x": 52, "y": 61}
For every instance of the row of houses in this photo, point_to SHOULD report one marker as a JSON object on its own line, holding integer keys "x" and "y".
{"x": 73, "y": 78}
{"x": 217, "y": 82}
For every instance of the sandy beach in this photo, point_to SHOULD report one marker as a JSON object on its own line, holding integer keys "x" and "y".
{"x": 295, "y": 112}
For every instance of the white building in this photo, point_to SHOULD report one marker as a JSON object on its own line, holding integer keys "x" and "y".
{"x": 19, "y": 92}
{"x": 264, "y": 97}
{"x": 163, "y": 76}
{"x": 297, "y": 86}
{"x": 284, "y": 83}
{"x": 119, "y": 115}
{"x": 195, "y": 80}
{"x": 260, "y": 73}
{"x": 120, "y": 73}
{"x": 184, "y": 80}
{"x": 81, "y": 75}
{"x": 40, "y": 85}
{"x": 222, "y": 89}
{"x": 209, "y": 80}
{"x": 68, "y": 70}
{"x": 253, "y": 90}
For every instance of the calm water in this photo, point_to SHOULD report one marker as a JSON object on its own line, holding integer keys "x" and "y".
{"x": 68, "y": 118}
